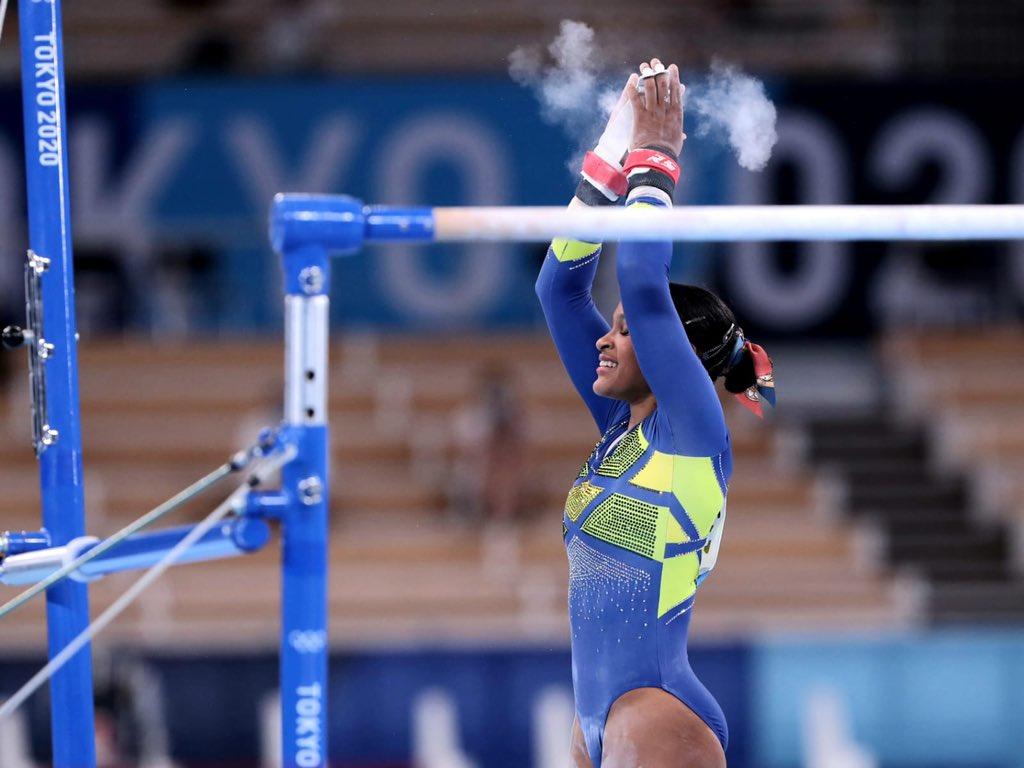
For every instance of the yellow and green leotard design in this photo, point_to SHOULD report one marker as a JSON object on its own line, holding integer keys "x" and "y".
{"x": 644, "y": 517}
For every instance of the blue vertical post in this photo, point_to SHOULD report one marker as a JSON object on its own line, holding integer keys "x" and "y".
{"x": 63, "y": 498}
{"x": 304, "y": 646}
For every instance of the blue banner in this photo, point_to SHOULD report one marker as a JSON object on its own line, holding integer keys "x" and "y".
{"x": 932, "y": 700}
{"x": 171, "y": 182}
{"x": 493, "y": 706}
{"x": 923, "y": 700}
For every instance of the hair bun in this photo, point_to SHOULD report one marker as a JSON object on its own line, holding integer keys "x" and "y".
{"x": 741, "y": 376}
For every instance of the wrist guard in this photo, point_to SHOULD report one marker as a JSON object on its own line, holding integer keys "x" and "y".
{"x": 603, "y": 183}
{"x": 652, "y": 167}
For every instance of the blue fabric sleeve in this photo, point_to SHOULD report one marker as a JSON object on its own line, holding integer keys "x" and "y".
{"x": 563, "y": 288}
{"x": 686, "y": 396}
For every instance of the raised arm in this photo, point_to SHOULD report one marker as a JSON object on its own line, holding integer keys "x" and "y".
{"x": 564, "y": 290}
{"x": 685, "y": 393}
{"x": 566, "y": 278}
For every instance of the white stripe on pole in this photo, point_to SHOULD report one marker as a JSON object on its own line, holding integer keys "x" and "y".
{"x": 731, "y": 223}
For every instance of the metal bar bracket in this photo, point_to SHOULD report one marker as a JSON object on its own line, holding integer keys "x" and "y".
{"x": 40, "y": 350}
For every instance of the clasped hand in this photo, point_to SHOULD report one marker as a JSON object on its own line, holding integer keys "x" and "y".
{"x": 657, "y": 107}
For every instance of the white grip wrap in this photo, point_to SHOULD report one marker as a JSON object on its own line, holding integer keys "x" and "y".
{"x": 614, "y": 142}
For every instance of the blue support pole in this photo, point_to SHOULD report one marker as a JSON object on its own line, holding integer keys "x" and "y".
{"x": 60, "y": 458}
{"x": 304, "y": 646}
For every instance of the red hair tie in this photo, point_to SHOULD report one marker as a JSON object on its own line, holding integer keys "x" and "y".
{"x": 764, "y": 387}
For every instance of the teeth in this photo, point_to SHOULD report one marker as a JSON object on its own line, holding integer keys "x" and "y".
{"x": 608, "y": 364}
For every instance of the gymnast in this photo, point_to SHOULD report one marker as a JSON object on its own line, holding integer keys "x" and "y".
{"x": 643, "y": 520}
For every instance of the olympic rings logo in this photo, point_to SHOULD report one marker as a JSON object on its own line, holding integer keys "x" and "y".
{"x": 307, "y": 640}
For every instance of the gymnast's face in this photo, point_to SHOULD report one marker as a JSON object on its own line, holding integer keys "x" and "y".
{"x": 618, "y": 373}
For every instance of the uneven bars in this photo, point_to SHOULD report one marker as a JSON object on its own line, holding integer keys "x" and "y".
{"x": 172, "y": 556}
{"x": 341, "y": 224}
{"x": 732, "y": 223}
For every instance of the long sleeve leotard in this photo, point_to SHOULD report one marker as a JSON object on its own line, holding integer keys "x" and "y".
{"x": 644, "y": 517}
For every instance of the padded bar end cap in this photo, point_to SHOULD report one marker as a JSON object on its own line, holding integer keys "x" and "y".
{"x": 335, "y": 223}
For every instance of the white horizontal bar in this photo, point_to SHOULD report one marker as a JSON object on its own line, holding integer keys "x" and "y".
{"x": 732, "y": 223}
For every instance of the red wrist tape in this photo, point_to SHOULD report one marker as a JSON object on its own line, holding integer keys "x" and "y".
{"x": 653, "y": 159}
{"x": 601, "y": 173}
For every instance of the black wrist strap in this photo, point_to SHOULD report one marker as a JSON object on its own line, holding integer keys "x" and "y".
{"x": 663, "y": 150}
{"x": 591, "y": 195}
{"x": 655, "y": 178}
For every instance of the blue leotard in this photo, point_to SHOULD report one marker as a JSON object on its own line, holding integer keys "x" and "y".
{"x": 643, "y": 519}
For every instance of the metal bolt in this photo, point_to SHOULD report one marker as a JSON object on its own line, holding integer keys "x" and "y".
{"x": 49, "y": 436}
{"x": 14, "y": 336}
{"x": 39, "y": 264}
{"x": 45, "y": 349}
{"x": 312, "y": 280}
{"x": 311, "y": 490}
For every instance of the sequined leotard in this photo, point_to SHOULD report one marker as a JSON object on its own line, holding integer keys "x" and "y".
{"x": 644, "y": 518}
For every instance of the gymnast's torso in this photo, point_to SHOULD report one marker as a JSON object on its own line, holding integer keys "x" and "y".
{"x": 642, "y": 526}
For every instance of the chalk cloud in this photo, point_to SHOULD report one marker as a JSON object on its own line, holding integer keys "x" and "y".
{"x": 577, "y": 93}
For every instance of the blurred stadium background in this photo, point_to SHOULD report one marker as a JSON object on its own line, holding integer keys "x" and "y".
{"x": 868, "y": 607}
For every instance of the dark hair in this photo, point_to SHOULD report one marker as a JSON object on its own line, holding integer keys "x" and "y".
{"x": 712, "y": 329}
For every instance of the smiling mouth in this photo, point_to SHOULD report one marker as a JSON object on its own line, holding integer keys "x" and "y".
{"x": 606, "y": 366}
